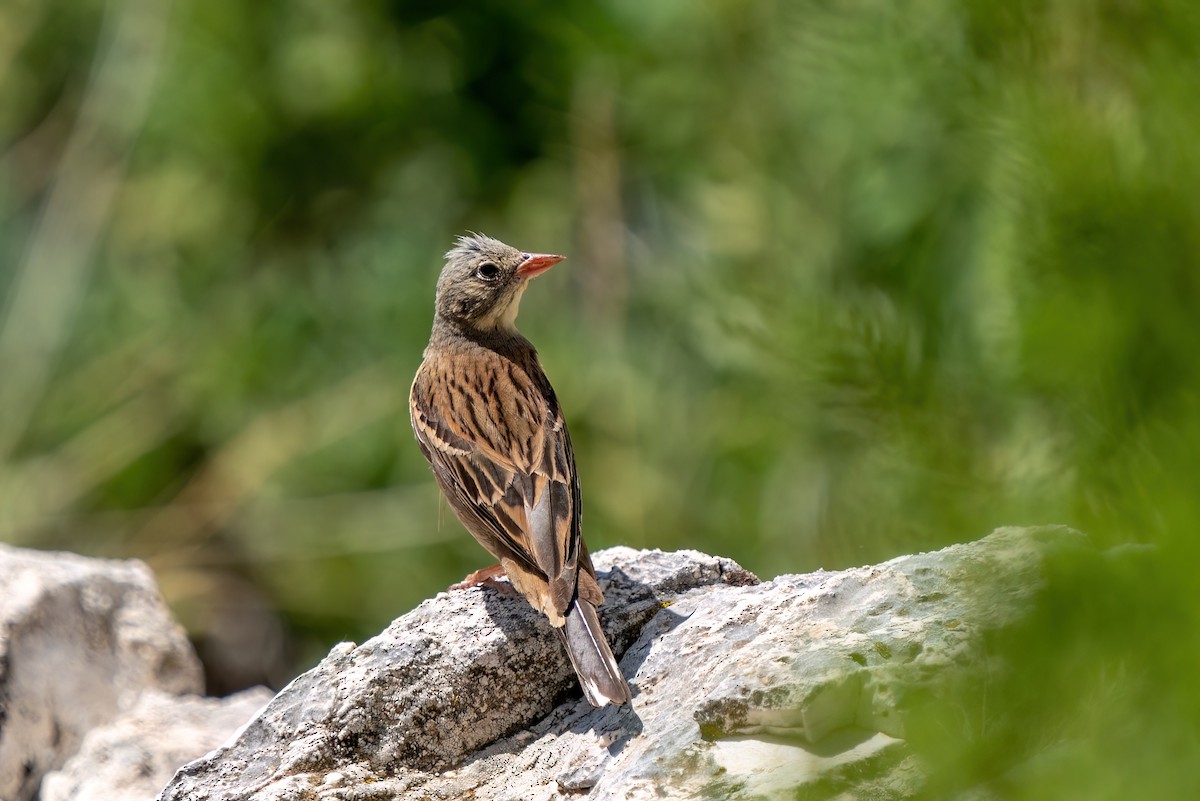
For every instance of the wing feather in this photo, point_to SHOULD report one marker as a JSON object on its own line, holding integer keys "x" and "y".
{"x": 492, "y": 430}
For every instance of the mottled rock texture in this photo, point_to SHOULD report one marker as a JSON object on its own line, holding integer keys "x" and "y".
{"x": 80, "y": 641}
{"x": 132, "y": 758}
{"x": 742, "y": 689}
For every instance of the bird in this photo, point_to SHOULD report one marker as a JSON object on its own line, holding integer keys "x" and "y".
{"x": 487, "y": 420}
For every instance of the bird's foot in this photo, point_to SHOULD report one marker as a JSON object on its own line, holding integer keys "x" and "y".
{"x": 493, "y": 576}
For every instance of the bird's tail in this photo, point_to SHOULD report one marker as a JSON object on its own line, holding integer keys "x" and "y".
{"x": 599, "y": 674}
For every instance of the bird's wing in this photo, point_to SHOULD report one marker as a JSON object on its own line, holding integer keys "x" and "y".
{"x": 495, "y": 437}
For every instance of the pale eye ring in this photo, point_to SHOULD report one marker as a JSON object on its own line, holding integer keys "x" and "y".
{"x": 488, "y": 271}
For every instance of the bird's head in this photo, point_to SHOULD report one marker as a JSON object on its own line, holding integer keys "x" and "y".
{"x": 483, "y": 280}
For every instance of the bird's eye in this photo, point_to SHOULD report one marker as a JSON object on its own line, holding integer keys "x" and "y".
{"x": 488, "y": 271}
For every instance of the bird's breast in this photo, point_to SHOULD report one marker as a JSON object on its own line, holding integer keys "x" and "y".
{"x": 492, "y": 402}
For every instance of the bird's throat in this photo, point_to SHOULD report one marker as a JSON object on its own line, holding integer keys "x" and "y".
{"x": 503, "y": 317}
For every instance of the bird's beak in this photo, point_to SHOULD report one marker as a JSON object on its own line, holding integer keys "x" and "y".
{"x": 537, "y": 263}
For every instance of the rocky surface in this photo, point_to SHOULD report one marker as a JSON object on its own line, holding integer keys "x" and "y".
{"x": 133, "y": 757}
{"x": 741, "y": 689}
{"x": 80, "y": 641}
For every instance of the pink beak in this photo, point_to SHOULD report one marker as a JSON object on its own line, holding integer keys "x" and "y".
{"x": 537, "y": 263}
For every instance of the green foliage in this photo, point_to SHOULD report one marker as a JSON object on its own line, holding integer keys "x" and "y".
{"x": 845, "y": 281}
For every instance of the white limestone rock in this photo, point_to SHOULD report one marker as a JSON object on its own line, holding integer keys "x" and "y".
{"x": 80, "y": 640}
{"x": 741, "y": 689}
{"x": 132, "y": 758}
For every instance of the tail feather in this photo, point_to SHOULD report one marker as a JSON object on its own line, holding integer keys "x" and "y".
{"x": 597, "y": 668}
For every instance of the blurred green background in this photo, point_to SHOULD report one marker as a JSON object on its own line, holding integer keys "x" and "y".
{"x": 846, "y": 280}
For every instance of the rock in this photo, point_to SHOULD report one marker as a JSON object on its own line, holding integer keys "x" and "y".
{"x": 742, "y": 689}
{"x": 80, "y": 641}
{"x": 132, "y": 758}
{"x": 457, "y": 673}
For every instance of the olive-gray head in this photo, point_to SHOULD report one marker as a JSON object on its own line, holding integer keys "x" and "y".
{"x": 481, "y": 285}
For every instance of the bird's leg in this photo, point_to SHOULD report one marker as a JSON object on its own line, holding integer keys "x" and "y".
{"x": 492, "y": 576}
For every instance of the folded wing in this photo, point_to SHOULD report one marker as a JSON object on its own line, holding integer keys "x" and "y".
{"x": 496, "y": 440}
